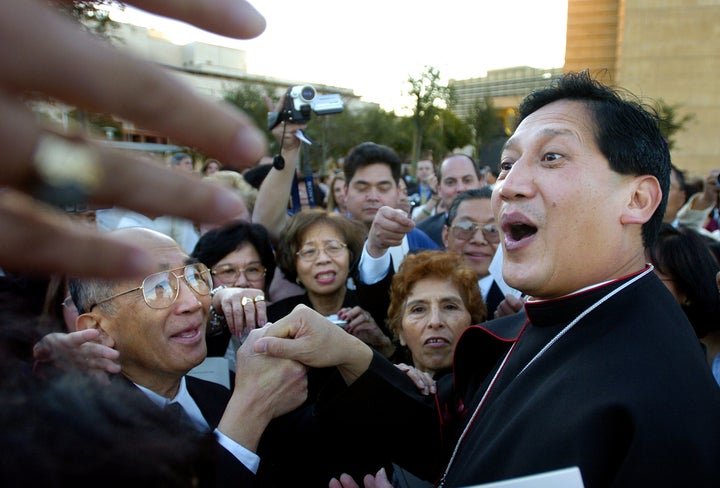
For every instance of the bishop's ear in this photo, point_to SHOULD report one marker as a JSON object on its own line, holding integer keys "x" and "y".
{"x": 645, "y": 198}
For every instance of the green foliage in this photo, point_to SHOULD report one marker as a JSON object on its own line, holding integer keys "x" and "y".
{"x": 94, "y": 15}
{"x": 446, "y": 133}
{"x": 485, "y": 123}
{"x": 457, "y": 133}
{"x": 335, "y": 135}
{"x": 251, "y": 100}
{"x": 669, "y": 121}
{"x": 429, "y": 97}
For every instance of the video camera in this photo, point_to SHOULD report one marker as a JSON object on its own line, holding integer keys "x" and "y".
{"x": 300, "y": 100}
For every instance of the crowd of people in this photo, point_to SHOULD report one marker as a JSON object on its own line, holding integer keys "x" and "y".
{"x": 453, "y": 328}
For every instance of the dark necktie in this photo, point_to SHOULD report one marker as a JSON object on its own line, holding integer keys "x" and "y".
{"x": 177, "y": 412}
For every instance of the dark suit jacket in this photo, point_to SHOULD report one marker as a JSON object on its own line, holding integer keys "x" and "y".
{"x": 374, "y": 299}
{"x": 212, "y": 399}
{"x": 495, "y": 296}
{"x": 432, "y": 226}
{"x": 626, "y": 394}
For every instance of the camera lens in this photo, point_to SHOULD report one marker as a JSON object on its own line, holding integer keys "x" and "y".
{"x": 307, "y": 93}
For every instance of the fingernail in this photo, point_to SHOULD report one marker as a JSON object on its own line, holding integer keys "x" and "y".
{"x": 249, "y": 18}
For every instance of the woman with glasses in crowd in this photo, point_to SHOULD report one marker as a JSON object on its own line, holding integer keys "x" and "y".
{"x": 238, "y": 254}
{"x": 318, "y": 250}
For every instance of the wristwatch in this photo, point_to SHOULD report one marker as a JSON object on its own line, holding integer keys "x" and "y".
{"x": 216, "y": 322}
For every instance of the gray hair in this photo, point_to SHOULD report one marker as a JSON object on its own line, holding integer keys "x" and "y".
{"x": 86, "y": 292}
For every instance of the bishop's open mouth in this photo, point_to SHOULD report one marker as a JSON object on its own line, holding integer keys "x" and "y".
{"x": 520, "y": 231}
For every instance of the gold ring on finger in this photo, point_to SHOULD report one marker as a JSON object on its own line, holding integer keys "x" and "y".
{"x": 245, "y": 301}
{"x": 68, "y": 171}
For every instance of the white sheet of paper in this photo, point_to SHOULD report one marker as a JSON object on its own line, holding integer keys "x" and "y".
{"x": 561, "y": 478}
{"x": 496, "y": 272}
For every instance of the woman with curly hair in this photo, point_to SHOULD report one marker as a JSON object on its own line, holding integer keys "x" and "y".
{"x": 434, "y": 297}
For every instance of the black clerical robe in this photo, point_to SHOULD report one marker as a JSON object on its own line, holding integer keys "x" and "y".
{"x": 624, "y": 393}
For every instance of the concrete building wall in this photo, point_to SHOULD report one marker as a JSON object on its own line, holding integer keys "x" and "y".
{"x": 506, "y": 87}
{"x": 657, "y": 49}
{"x": 592, "y": 37}
{"x": 671, "y": 50}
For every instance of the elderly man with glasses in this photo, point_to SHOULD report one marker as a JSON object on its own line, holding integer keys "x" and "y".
{"x": 158, "y": 327}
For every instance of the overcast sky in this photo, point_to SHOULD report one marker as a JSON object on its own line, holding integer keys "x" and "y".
{"x": 373, "y": 46}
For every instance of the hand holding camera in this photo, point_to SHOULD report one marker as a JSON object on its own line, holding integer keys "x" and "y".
{"x": 300, "y": 101}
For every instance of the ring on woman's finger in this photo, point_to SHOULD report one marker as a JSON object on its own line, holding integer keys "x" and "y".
{"x": 68, "y": 172}
{"x": 245, "y": 301}
{"x": 367, "y": 316}
{"x": 259, "y": 298}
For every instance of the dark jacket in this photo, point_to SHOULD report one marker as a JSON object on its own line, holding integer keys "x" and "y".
{"x": 212, "y": 399}
{"x": 625, "y": 394}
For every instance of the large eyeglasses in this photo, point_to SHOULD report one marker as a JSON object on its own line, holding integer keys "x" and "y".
{"x": 331, "y": 248}
{"x": 465, "y": 230}
{"x": 160, "y": 290}
{"x": 229, "y": 273}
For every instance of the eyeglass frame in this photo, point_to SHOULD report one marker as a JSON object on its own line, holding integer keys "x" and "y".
{"x": 316, "y": 249}
{"x": 204, "y": 270}
{"x": 238, "y": 270}
{"x": 474, "y": 226}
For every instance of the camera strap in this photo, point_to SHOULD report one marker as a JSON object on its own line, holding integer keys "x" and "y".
{"x": 295, "y": 193}
{"x": 309, "y": 182}
{"x": 308, "y": 173}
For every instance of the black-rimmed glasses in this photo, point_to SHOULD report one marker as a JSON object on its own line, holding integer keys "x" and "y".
{"x": 160, "y": 290}
{"x": 465, "y": 230}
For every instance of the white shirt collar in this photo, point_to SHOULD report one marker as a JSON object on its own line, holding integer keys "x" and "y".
{"x": 485, "y": 283}
{"x": 183, "y": 398}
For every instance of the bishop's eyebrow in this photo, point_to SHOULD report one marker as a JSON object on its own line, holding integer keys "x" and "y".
{"x": 548, "y": 132}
